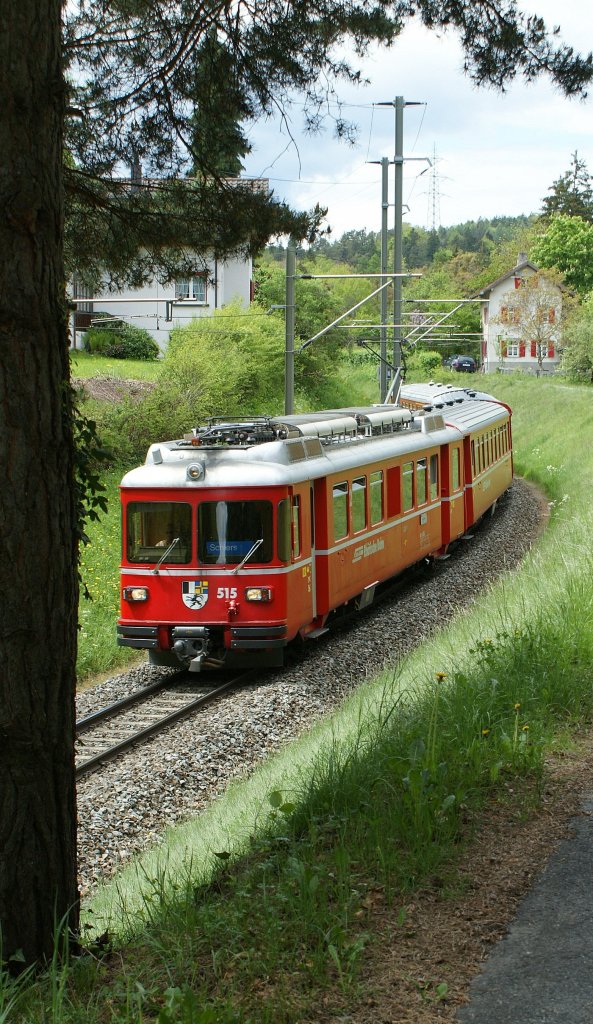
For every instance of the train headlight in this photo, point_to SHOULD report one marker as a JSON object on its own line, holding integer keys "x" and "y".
{"x": 135, "y": 593}
{"x": 259, "y": 594}
{"x": 195, "y": 471}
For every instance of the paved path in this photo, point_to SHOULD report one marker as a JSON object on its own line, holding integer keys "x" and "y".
{"x": 542, "y": 971}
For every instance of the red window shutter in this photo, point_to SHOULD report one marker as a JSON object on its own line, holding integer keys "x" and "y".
{"x": 552, "y": 315}
{"x": 518, "y": 282}
{"x": 504, "y": 314}
{"x": 533, "y": 351}
{"x": 504, "y": 349}
{"x": 522, "y": 350}
{"x": 551, "y": 351}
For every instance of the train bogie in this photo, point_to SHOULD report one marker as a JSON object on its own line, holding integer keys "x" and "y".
{"x": 246, "y": 535}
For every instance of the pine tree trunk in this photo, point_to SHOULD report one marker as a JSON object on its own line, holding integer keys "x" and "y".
{"x": 38, "y": 573}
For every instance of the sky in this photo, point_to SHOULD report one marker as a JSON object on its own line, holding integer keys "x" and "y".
{"x": 496, "y": 155}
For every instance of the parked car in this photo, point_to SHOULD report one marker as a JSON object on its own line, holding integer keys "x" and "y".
{"x": 448, "y": 361}
{"x": 463, "y": 364}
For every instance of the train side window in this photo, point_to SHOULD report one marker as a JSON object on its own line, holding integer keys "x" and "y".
{"x": 473, "y": 458}
{"x": 455, "y": 477}
{"x": 394, "y": 500}
{"x": 376, "y": 495}
{"x": 408, "y": 485}
{"x": 359, "y": 509}
{"x": 421, "y": 482}
{"x": 340, "y": 503}
{"x": 284, "y": 530}
{"x": 434, "y": 477}
{"x": 296, "y": 526}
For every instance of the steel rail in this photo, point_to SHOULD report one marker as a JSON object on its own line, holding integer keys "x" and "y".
{"x": 155, "y": 727}
{"x": 112, "y": 709}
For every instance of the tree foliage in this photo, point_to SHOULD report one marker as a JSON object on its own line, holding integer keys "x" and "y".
{"x": 144, "y": 77}
{"x": 577, "y": 343}
{"x": 230, "y": 364}
{"x": 572, "y": 194}
{"x": 567, "y": 244}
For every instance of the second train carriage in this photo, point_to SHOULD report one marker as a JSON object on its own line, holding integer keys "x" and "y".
{"x": 247, "y": 534}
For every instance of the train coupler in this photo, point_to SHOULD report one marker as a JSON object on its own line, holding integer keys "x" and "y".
{"x": 191, "y": 645}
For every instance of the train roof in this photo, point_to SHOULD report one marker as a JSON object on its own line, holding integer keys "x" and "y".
{"x": 269, "y": 451}
{"x": 437, "y": 394}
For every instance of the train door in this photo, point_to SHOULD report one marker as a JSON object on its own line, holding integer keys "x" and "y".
{"x": 313, "y": 563}
{"x": 301, "y": 591}
{"x": 456, "y": 501}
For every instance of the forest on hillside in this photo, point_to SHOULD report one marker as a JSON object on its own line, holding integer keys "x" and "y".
{"x": 361, "y": 249}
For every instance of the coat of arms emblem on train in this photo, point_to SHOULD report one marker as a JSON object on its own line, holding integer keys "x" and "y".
{"x": 194, "y": 593}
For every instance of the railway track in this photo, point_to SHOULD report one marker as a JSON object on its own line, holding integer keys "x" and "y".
{"x": 105, "y": 734}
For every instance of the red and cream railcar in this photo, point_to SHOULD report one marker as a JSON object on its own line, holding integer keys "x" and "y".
{"x": 245, "y": 535}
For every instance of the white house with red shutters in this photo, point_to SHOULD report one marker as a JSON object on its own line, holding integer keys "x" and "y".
{"x": 504, "y": 347}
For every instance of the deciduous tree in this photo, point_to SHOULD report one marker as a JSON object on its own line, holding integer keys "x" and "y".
{"x": 567, "y": 244}
{"x": 531, "y": 315}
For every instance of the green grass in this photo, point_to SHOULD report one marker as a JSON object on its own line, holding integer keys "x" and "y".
{"x": 99, "y": 569}
{"x": 82, "y": 364}
{"x": 259, "y": 907}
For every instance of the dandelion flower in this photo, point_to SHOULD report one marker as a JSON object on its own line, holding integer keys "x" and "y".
{"x": 517, "y": 707}
{"x": 440, "y": 676}
{"x": 485, "y": 732}
{"x": 525, "y": 728}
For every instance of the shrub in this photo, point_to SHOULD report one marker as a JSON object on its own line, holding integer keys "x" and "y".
{"x": 121, "y": 341}
{"x": 423, "y": 365}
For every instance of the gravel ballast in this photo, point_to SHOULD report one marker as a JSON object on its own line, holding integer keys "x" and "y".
{"x": 125, "y": 807}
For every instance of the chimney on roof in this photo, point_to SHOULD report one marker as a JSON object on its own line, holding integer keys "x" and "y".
{"x": 521, "y": 258}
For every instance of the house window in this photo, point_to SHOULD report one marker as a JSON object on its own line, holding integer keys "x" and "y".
{"x": 512, "y": 349}
{"x": 191, "y": 288}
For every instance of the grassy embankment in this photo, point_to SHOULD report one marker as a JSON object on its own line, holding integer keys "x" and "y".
{"x": 254, "y": 910}
{"x": 84, "y": 365}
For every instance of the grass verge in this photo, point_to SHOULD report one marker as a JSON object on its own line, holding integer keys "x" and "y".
{"x": 83, "y": 364}
{"x": 257, "y": 909}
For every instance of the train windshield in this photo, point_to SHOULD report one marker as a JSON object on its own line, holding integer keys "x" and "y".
{"x": 228, "y": 530}
{"x": 157, "y": 528}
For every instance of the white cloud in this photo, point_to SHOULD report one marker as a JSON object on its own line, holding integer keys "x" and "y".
{"x": 498, "y": 154}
